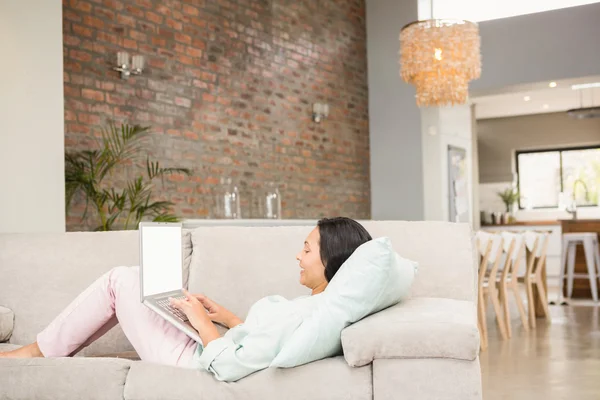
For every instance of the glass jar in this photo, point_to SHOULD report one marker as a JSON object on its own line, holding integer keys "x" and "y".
{"x": 270, "y": 202}
{"x": 227, "y": 200}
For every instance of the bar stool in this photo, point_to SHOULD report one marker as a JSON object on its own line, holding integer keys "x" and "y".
{"x": 589, "y": 240}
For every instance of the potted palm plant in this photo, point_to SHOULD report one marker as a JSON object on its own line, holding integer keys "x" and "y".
{"x": 509, "y": 197}
{"x": 86, "y": 173}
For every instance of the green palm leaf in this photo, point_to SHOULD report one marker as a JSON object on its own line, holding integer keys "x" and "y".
{"x": 85, "y": 173}
{"x": 154, "y": 170}
{"x": 165, "y": 218}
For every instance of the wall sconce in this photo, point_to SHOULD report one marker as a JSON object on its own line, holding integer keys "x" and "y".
{"x": 320, "y": 112}
{"x": 136, "y": 67}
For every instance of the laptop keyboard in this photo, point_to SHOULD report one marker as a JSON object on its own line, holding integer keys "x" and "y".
{"x": 164, "y": 303}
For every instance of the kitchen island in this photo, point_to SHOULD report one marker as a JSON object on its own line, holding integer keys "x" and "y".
{"x": 581, "y": 287}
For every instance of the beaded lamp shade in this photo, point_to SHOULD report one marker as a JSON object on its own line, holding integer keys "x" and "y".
{"x": 440, "y": 57}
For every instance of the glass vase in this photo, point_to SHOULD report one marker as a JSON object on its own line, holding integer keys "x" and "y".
{"x": 227, "y": 200}
{"x": 270, "y": 202}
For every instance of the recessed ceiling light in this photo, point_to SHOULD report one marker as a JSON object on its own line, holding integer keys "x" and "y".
{"x": 526, "y": 98}
{"x": 552, "y": 84}
{"x": 585, "y": 86}
{"x": 545, "y": 106}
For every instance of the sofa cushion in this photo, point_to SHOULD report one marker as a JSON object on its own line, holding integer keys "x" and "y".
{"x": 374, "y": 277}
{"x": 187, "y": 255}
{"x": 6, "y": 323}
{"x": 63, "y": 378}
{"x": 237, "y": 266}
{"x": 331, "y": 378}
{"x": 45, "y": 272}
{"x": 416, "y": 328}
{"x": 8, "y": 347}
{"x": 436, "y": 379}
{"x": 129, "y": 355}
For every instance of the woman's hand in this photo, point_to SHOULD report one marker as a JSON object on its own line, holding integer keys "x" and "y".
{"x": 218, "y": 313}
{"x": 197, "y": 316}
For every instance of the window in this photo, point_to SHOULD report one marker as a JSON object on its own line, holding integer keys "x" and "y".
{"x": 485, "y": 10}
{"x": 544, "y": 174}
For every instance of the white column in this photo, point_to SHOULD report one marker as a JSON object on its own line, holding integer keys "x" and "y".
{"x": 444, "y": 128}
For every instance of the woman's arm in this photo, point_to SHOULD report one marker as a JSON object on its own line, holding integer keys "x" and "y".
{"x": 207, "y": 331}
{"x": 218, "y": 313}
{"x": 198, "y": 317}
{"x": 234, "y": 321}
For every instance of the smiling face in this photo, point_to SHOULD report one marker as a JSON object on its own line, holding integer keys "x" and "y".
{"x": 312, "y": 270}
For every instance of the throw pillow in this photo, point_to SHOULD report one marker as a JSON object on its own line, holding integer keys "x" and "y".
{"x": 373, "y": 278}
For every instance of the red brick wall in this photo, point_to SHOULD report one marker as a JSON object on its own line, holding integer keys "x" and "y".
{"x": 228, "y": 91}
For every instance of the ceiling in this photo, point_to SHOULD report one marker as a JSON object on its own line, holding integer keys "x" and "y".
{"x": 486, "y": 10}
{"x": 535, "y": 98}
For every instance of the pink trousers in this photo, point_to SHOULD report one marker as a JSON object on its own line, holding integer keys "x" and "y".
{"x": 115, "y": 298}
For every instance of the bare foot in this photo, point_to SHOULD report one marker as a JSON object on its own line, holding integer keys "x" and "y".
{"x": 28, "y": 351}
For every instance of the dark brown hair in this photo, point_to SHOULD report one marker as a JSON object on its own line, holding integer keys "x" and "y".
{"x": 340, "y": 236}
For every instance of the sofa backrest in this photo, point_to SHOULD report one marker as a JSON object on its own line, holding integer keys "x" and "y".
{"x": 445, "y": 252}
{"x": 40, "y": 274}
{"x": 236, "y": 266}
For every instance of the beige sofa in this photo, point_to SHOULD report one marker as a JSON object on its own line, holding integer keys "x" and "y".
{"x": 424, "y": 348}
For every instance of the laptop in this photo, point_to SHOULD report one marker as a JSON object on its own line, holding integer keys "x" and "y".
{"x": 161, "y": 272}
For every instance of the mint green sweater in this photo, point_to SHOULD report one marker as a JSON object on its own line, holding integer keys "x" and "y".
{"x": 253, "y": 345}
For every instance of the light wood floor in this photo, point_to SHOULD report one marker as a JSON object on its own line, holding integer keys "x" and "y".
{"x": 553, "y": 362}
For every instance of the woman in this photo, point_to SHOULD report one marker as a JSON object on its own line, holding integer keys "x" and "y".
{"x": 114, "y": 297}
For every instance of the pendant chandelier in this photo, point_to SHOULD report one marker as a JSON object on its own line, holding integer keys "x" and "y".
{"x": 440, "y": 57}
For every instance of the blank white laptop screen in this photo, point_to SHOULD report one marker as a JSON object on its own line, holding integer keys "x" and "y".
{"x": 161, "y": 259}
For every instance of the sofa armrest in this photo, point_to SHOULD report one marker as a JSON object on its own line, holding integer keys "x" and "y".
{"x": 7, "y": 318}
{"x": 416, "y": 328}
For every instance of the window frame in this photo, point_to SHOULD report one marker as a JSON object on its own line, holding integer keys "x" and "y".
{"x": 560, "y": 151}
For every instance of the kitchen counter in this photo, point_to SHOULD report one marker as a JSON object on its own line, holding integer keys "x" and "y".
{"x": 579, "y": 220}
{"x": 581, "y": 287}
{"x": 525, "y": 223}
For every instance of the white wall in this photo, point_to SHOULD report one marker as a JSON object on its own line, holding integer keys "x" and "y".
{"x": 31, "y": 117}
{"x": 394, "y": 119}
{"x": 443, "y": 127}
